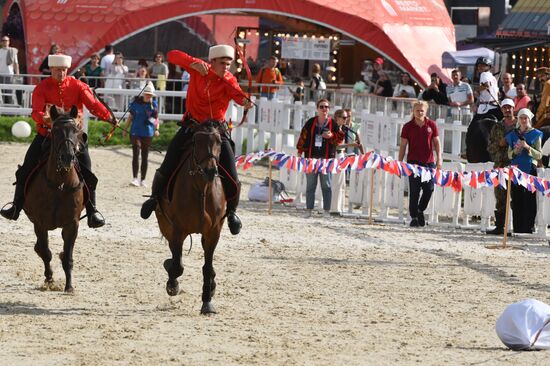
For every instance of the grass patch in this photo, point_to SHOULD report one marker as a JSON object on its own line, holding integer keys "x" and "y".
{"x": 97, "y": 130}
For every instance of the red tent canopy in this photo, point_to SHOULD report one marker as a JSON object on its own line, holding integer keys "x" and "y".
{"x": 411, "y": 33}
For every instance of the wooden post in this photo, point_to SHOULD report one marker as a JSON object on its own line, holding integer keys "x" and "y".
{"x": 508, "y": 189}
{"x": 371, "y": 194}
{"x": 270, "y": 206}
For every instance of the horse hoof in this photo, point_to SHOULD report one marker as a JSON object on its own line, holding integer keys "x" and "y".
{"x": 208, "y": 308}
{"x": 172, "y": 290}
{"x": 69, "y": 290}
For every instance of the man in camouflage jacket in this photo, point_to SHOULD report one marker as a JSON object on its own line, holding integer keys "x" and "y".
{"x": 498, "y": 149}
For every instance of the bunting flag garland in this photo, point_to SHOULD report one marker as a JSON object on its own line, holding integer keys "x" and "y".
{"x": 371, "y": 160}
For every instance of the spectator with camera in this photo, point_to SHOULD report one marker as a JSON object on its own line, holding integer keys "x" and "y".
{"x": 436, "y": 91}
{"x": 318, "y": 140}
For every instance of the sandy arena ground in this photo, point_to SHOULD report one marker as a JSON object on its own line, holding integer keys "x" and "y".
{"x": 291, "y": 291}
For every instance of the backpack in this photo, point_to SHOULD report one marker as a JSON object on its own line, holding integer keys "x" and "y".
{"x": 320, "y": 83}
{"x": 259, "y": 192}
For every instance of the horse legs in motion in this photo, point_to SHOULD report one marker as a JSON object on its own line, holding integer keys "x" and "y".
{"x": 69, "y": 234}
{"x": 174, "y": 265}
{"x": 41, "y": 248}
{"x": 209, "y": 243}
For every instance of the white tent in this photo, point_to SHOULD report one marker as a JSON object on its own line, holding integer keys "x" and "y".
{"x": 466, "y": 57}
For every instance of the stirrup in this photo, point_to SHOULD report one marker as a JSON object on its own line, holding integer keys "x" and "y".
{"x": 95, "y": 219}
{"x": 11, "y": 213}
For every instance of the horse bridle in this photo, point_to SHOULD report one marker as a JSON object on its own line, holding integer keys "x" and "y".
{"x": 67, "y": 142}
{"x": 197, "y": 168}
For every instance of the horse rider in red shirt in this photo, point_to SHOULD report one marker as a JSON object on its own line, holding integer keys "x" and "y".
{"x": 62, "y": 91}
{"x": 211, "y": 88}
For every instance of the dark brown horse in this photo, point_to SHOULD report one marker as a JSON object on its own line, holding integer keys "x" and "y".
{"x": 55, "y": 197}
{"x": 197, "y": 206}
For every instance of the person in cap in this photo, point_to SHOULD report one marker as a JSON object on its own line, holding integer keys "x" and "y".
{"x": 524, "y": 151}
{"x": 488, "y": 91}
{"x": 498, "y": 149}
{"x": 211, "y": 88}
{"x": 543, "y": 111}
{"x": 143, "y": 124}
{"x": 487, "y": 109}
{"x": 64, "y": 92}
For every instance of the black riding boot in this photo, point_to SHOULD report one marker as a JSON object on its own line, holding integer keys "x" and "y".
{"x": 157, "y": 188}
{"x": 95, "y": 220}
{"x": 233, "y": 220}
{"x": 12, "y": 213}
{"x": 499, "y": 223}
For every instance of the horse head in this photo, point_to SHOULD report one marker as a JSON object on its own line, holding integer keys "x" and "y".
{"x": 66, "y": 138}
{"x": 206, "y": 150}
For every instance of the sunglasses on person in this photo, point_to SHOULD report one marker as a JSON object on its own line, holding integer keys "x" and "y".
{"x": 324, "y": 106}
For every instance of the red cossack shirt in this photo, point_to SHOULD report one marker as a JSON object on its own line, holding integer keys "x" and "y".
{"x": 207, "y": 96}
{"x": 64, "y": 95}
{"x": 420, "y": 140}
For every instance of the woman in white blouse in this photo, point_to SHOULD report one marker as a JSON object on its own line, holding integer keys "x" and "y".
{"x": 405, "y": 88}
{"x": 117, "y": 73}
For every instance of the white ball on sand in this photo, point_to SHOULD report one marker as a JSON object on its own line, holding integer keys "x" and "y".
{"x": 21, "y": 129}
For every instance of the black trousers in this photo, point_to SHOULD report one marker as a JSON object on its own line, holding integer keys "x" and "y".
{"x": 524, "y": 207}
{"x": 228, "y": 170}
{"x": 416, "y": 203}
{"x": 36, "y": 150}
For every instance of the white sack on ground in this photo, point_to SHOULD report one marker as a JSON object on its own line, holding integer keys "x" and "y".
{"x": 518, "y": 325}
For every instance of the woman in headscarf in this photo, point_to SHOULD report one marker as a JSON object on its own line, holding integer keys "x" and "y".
{"x": 524, "y": 150}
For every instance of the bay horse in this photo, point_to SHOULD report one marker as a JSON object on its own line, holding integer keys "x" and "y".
{"x": 197, "y": 205}
{"x": 55, "y": 196}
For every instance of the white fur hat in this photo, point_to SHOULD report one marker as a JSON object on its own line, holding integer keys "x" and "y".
{"x": 221, "y": 50}
{"x": 59, "y": 60}
{"x": 149, "y": 89}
